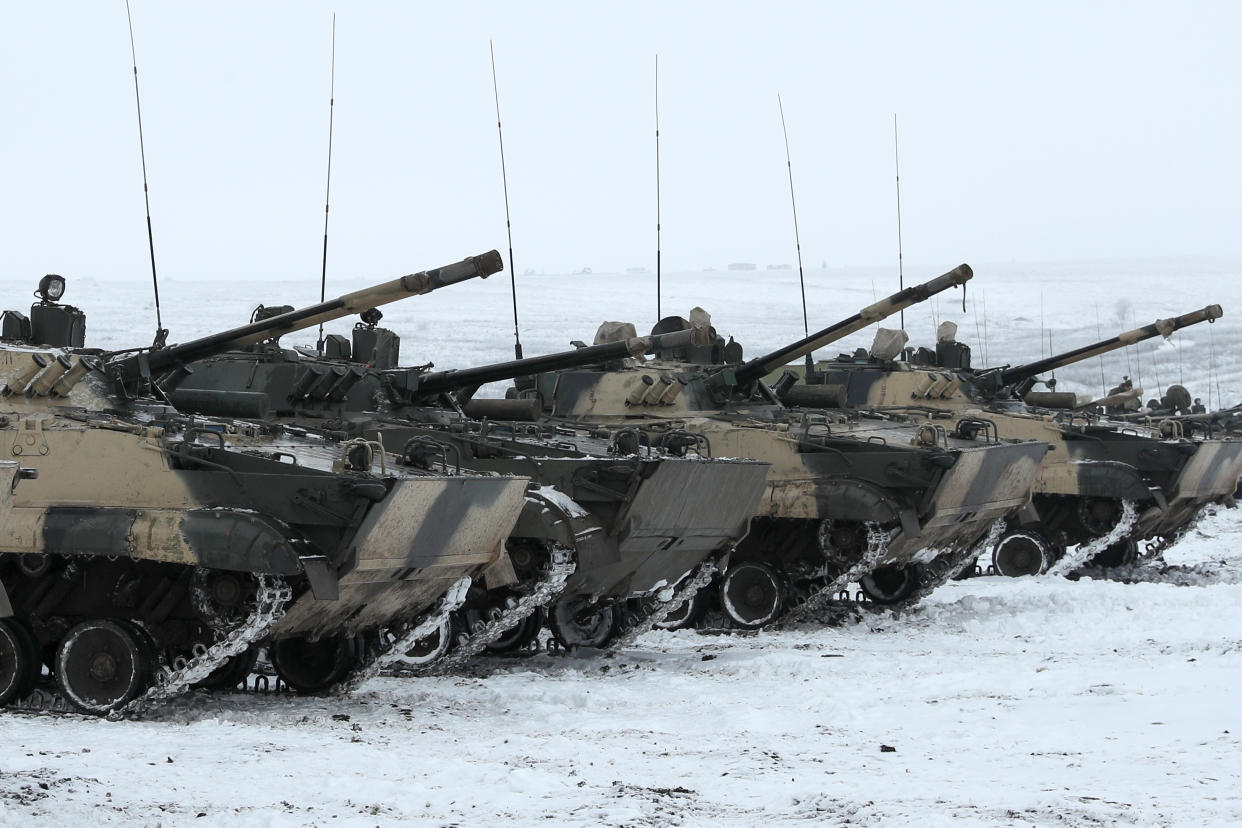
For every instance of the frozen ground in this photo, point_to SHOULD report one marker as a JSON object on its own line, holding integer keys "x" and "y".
{"x": 1004, "y": 702}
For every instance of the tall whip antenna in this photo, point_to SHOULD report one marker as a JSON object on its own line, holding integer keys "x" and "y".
{"x": 327, "y": 198}
{"x": 810, "y": 362}
{"x": 901, "y": 276}
{"x": 161, "y": 333}
{"x": 1099, "y": 335}
{"x": 1155, "y": 367}
{"x": 1180, "y": 380}
{"x": 1213, "y": 370}
{"x": 983, "y": 295}
{"x": 657, "y": 137}
{"x": 504, "y": 177}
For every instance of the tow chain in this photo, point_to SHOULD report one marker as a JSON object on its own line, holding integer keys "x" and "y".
{"x": 561, "y": 567}
{"x": 449, "y": 603}
{"x": 700, "y": 577}
{"x": 948, "y": 565}
{"x": 878, "y": 542}
{"x": 1153, "y": 550}
{"x": 270, "y": 600}
{"x": 1087, "y": 551}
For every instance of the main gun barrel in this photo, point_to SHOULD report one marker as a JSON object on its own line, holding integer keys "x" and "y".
{"x": 763, "y": 365}
{"x": 130, "y": 367}
{"x": 438, "y": 381}
{"x": 1161, "y": 327}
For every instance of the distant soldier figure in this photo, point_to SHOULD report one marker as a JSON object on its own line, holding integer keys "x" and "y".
{"x": 1176, "y": 400}
{"x": 1198, "y": 408}
{"x": 1126, "y": 404}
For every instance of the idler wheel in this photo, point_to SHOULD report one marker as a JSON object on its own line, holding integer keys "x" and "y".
{"x": 577, "y": 622}
{"x": 1022, "y": 553}
{"x": 313, "y": 666}
{"x": 519, "y": 636}
{"x": 890, "y": 584}
{"x": 20, "y": 662}
{"x": 102, "y": 665}
{"x": 221, "y": 599}
{"x": 752, "y": 594}
{"x": 688, "y": 614}
{"x": 431, "y": 647}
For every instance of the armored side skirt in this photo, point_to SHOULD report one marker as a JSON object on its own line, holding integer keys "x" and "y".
{"x": 683, "y": 512}
{"x": 984, "y": 484}
{"x": 1209, "y": 476}
{"x": 411, "y": 547}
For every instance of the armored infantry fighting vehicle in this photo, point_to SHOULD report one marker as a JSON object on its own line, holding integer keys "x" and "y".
{"x": 891, "y": 500}
{"x": 635, "y": 519}
{"x": 1104, "y": 485}
{"x": 150, "y": 537}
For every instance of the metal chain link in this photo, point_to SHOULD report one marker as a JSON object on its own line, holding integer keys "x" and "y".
{"x": 270, "y": 599}
{"x": 449, "y": 603}
{"x": 698, "y": 579}
{"x": 1087, "y": 551}
{"x": 878, "y": 541}
{"x": 562, "y": 565}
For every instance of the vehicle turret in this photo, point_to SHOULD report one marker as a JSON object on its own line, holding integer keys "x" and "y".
{"x": 467, "y": 379}
{"x": 676, "y": 388}
{"x": 758, "y": 367}
{"x": 132, "y": 367}
{"x": 54, "y": 372}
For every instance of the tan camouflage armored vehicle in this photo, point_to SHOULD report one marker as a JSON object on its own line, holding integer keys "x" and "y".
{"x": 633, "y": 520}
{"x": 894, "y": 501}
{"x": 149, "y": 538}
{"x": 1104, "y": 485}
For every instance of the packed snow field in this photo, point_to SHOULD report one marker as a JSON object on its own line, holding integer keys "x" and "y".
{"x": 1039, "y": 701}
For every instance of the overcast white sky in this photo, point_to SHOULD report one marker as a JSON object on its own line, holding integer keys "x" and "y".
{"x": 1036, "y": 131}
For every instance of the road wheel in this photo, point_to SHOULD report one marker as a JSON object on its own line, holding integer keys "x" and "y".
{"x": 752, "y": 594}
{"x": 519, "y": 636}
{"x": 1120, "y": 553}
{"x": 102, "y": 665}
{"x": 314, "y": 666}
{"x": 890, "y": 584}
{"x": 576, "y": 622}
{"x": 1022, "y": 553}
{"x": 431, "y": 647}
{"x": 232, "y": 672}
{"x": 20, "y": 665}
{"x": 688, "y": 614}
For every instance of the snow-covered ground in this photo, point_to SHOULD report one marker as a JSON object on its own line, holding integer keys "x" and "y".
{"x": 1039, "y": 701}
{"x": 999, "y": 702}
